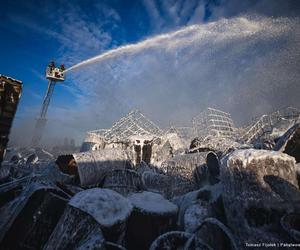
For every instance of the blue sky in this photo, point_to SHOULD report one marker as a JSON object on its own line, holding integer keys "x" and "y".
{"x": 71, "y": 31}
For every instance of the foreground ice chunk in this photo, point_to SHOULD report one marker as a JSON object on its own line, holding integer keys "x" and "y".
{"x": 152, "y": 215}
{"x": 259, "y": 187}
{"x": 106, "y": 206}
{"x": 152, "y": 203}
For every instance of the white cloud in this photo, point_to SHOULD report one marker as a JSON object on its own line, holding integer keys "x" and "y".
{"x": 169, "y": 14}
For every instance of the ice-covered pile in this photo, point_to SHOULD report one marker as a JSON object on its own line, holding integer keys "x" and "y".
{"x": 223, "y": 192}
{"x": 152, "y": 203}
{"x": 107, "y": 207}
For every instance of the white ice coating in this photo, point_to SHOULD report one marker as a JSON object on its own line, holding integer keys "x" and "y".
{"x": 93, "y": 165}
{"x": 152, "y": 203}
{"x": 106, "y": 206}
{"x": 241, "y": 27}
{"x": 248, "y": 155}
{"x": 174, "y": 140}
{"x": 193, "y": 217}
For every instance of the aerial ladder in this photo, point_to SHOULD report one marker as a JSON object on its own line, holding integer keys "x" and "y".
{"x": 53, "y": 74}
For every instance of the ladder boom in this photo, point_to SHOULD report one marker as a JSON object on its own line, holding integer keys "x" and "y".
{"x": 54, "y": 75}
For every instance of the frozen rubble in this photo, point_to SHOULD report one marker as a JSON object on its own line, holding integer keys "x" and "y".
{"x": 152, "y": 215}
{"x": 106, "y": 206}
{"x": 152, "y": 192}
{"x": 152, "y": 203}
{"x": 259, "y": 187}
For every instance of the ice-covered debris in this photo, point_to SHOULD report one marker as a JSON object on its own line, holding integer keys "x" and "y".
{"x": 157, "y": 183}
{"x": 12, "y": 156}
{"x": 289, "y": 142}
{"x": 32, "y": 159}
{"x": 290, "y": 223}
{"x": 143, "y": 167}
{"x": 208, "y": 173}
{"x": 134, "y": 123}
{"x": 75, "y": 230}
{"x": 28, "y": 157}
{"x": 287, "y": 191}
{"x": 253, "y": 203}
{"x": 123, "y": 181}
{"x": 264, "y": 143}
{"x": 185, "y": 134}
{"x": 298, "y": 173}
{"x": 106, "y": 206}
{"x": 213, "y": 122}
{"x": 171, "y": 240}
{"x": 152, "y": 203}
{"x": 69, "y": 189}
{"x": 190, "y": 171}
{"x": 208, "y": 194}
{"x": 94, "y": 240}
{"x": 36, "y": 206}
{"x": 40, "y": 153}
{"x": 4, "y": 173}
{"x": 193, "y": 217}
{"x": 276, "y": 133}
{"x": 185, "y": 200}
{"x": 220, "y": 145}
{"x": 270, "y": 125}
{"x": 93, "y": 165}
{"x": 161, "y": 153}
{"x": 212, "y": 234}
{"x": 113, "y": 246}
{"x": 184, "y": 165}
{"x": 258, "y": 129}
{"x": 174, "y": 140}
{"x": 54, "y": 174}
{"x": 153, "y": 214}
{"x": 249, "y": 155}
{"x": 141, "y": 137}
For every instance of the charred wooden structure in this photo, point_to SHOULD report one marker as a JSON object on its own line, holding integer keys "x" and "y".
{"x": 10, "y": 92}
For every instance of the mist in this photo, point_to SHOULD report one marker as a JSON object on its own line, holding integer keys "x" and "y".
{"x": 247, "y": 66}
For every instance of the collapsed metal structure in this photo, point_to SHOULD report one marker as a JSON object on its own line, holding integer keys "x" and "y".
{"x": 219, "y": 124}
{"x": 133, "y": 124}
{"x": 213, "y": 129}
{"x": 185, "y": 133}
{"x": 266, "y": 123}
{"x": 213, "y": 122}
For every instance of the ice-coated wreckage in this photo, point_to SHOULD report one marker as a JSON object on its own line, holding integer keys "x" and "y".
{"x": 136, "y": 186}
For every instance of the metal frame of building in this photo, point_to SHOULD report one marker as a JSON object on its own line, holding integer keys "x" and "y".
{"x": 134, "y": 123}
{"x": 266, "y": 123}
{"x": 186, "y": 133}
{"x": 213, "y": 122}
